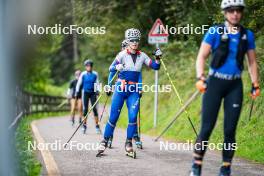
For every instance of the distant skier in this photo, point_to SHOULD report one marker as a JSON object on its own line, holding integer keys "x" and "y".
{"x": 75, "y": 99}
{"x": 89, "y": 81}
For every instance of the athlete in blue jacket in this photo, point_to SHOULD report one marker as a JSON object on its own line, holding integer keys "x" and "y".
{"x": 229, "y": 43}
{"x": 90, "y": 84}
{"x": 128, "y": 63}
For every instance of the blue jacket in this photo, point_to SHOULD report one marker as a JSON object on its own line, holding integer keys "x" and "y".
{"x": 89, "y": 80}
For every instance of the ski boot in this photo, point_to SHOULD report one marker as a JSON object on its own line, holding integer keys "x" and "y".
{"x": 225, "y": 171}
{"x": 129, "y": 149}
{"x": 138, "y": 142}
{"x": 196, "y": 170}
{"x": 97, "y": 129}
{"x": 102, "y": 147}
{"x": 80, "y": 120}
{"x": 110, "y": 141}
{"x": 84, "y": 128}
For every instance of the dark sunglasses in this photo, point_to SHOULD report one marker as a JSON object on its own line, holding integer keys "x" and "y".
{"x": 134, "y": 40}
{"x": 236, "y": 9}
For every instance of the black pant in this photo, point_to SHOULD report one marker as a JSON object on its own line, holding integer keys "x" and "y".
{"x": 92, "y": 96}
{"x": 231, "y": 91}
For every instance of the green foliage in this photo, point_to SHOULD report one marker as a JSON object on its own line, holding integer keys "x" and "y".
{"x": 28, "y": 164}
{"x": 53, "y": 64}
{"x": 260, "y": 57}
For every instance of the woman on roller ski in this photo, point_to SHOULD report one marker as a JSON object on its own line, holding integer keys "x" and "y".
{"x": 128, "y": 63}
{"x": 228, "y": 46}
{"x": 89, "y": 81}
{"x": 136, "y": 137}
{"x": 75, "y": 100}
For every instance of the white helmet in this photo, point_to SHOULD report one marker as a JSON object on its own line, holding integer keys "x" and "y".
{"x": 132, "y": 34}
{"x": 232, "y": 3}
{"x": 88, "y": 62}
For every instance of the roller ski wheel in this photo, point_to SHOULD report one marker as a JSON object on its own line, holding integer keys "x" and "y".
{"x": 110, "y": 141}
{"x": 102, "y": 147}
{"x": 84, "y": 128}
{"x": 131, "y": 154}
{"x": 129, "y": 149}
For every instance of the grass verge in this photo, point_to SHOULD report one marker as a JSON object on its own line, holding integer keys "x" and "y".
{"x": 28, "y": 164}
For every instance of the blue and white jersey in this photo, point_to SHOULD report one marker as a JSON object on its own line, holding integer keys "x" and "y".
{"x": 89, "y": 80}
{"x": 132, "y": 64}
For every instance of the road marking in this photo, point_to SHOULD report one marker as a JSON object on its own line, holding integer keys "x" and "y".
{"x": 50, "y": 164}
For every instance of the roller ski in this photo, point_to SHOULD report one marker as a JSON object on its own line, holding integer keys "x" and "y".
{"x": 98, "y": 130}
{"x": 101, "y": 148}
{"x": 84, "y": 128}
{"x": 110, "y": 141}
{"x": 138, "y": 142}
{"x": 129, "y": 149}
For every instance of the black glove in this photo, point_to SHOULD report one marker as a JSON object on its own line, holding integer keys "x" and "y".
{"x": 255, "y": 91}
{"x": 108, "y": 93}
{"x": 108, "y": 90}
{"x": 157, "y": 53}
{"x": 140, "y": 94}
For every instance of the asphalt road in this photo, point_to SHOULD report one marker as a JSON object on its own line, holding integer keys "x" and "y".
{"x": 150, "y": 161}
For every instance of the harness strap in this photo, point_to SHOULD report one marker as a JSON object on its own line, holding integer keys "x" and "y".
{"x": 124, "y": 82}
{"x": 220, "y": 54}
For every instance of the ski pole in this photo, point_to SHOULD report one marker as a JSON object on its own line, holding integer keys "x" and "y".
{"x": 178, "y": 96}
{"x": 62, "y": 104}
{"x": 185, "y": 106}
{"x": 88, "y": 112}
{"x": 251, "y": 108}
{"x": 104, "y": 108}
